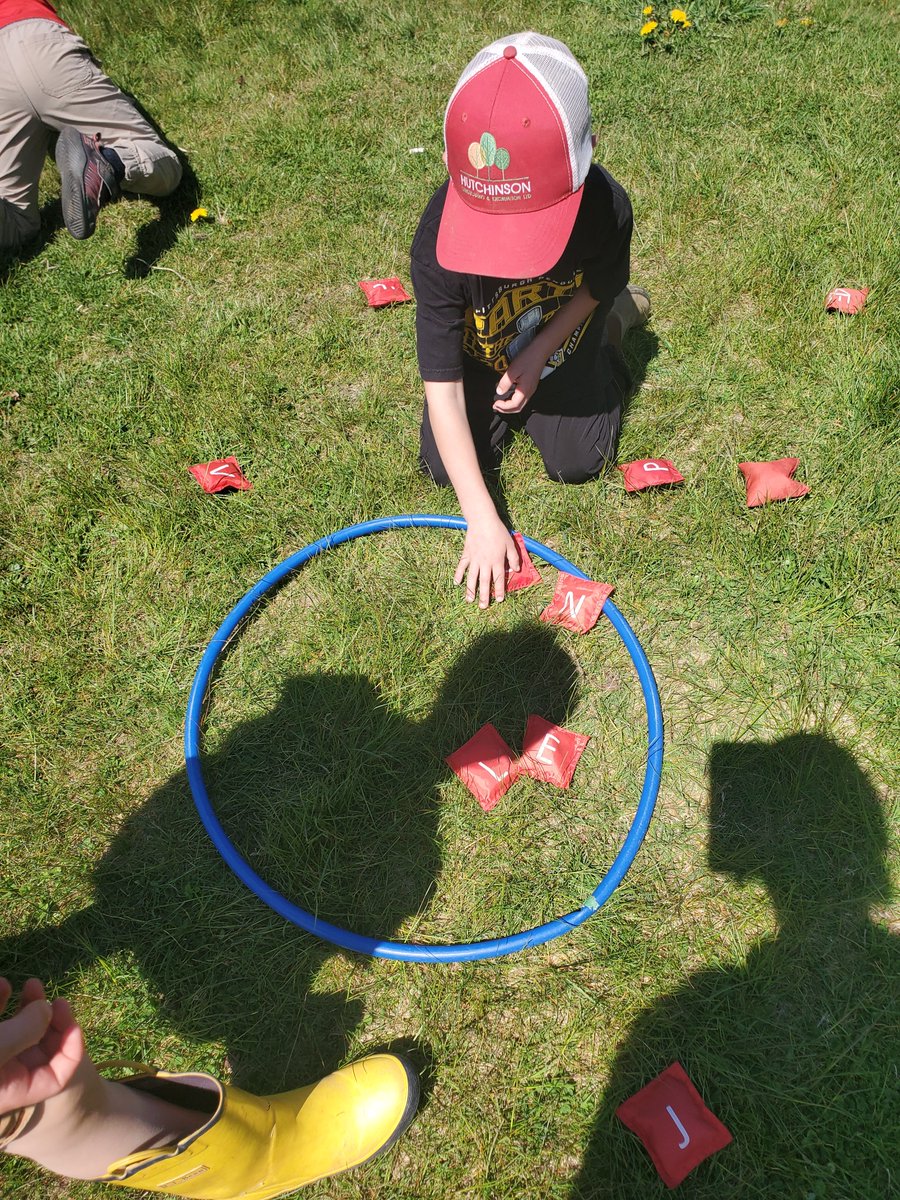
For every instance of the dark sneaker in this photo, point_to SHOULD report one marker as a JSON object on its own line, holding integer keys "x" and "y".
{"x": 88, "y": 181}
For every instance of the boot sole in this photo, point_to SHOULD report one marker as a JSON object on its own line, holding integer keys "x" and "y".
{"x": 71, "y": 159}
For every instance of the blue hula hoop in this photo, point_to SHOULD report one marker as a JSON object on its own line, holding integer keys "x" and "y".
{"x": 410, "y": 951}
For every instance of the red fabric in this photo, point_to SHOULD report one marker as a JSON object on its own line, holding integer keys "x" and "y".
{"x": 527, "y": 573}
{"x": 771, "y": 481}
{"x": 512, "y": 223}
{"x": 649, "y": 472}
{"x": 485, "y": 764}
{"x": 219, "y": 474}
{"x": 846, "y": 300}
{"x": 384, "y": 291}
{"x": 550, "y": 753}
{"x": 577, "y": 603}
{"x": 24, "y": 10}
{"x": 677, "y": 1128}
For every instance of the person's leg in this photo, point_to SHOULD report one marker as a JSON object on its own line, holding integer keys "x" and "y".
{"x": 185, "y": 1135}
{"x": 576, "y": 414}
{"x": 490, "y": 432}
{"x": 23, "y": 148}
{"x": 74, "y": 1122}
{"x": 631, "y": 308}
{"x": 69, "y": 90}
{"x": 575, "y": 424}
{"x": 97, "y": 1121}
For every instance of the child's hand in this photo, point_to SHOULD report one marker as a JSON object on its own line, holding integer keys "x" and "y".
{"x": 519, "y": 383}
{"x": 40, "y": 1047}
{"x": 487, "y": 550}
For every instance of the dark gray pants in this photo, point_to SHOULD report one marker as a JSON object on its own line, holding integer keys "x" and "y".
{"x": 573, "y": 418}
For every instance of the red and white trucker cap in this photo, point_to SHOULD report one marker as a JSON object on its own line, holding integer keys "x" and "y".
{"x": 518, "y": 137}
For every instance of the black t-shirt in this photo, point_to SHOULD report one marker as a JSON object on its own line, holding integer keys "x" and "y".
{"x": 469, "y": 320}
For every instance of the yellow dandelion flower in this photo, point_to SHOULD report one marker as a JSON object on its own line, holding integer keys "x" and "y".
{"x": 780, "y": 24}
{"x": 807, "y": 21}
{"x": 199, "y": 213}
{"x": 678, "y": 15}
{"x": 686, "y": 24}
{"x": 648, "y": 11}
{"x": 648, "y": 27}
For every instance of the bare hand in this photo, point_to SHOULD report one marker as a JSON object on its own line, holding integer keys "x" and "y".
{"x": 519, "y": 383}
{"x": 486, "y": 553}
{"x": 40, "y": 1047}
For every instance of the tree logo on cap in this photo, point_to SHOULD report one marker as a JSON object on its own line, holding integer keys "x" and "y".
{"x": 486, "y": 153}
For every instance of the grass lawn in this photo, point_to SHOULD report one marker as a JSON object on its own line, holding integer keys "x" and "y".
{"x": 756, "y": 938}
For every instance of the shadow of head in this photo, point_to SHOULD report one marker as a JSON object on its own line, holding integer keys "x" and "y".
{"x": 503, "y": 678}
{"x": 801, "y": 816}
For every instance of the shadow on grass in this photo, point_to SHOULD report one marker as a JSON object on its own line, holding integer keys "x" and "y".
{"x": 153, "y": 238}
{"x": 330, "y": 796}
{"x": 796, "y": 1050}
{"x": 51, "y": 223}
{"x": 174, "y": 211}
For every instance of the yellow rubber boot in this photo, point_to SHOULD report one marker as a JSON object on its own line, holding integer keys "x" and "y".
{"x": 260, "y": 1147}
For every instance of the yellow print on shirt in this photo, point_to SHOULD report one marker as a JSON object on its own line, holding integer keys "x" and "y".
{"x": 498, "y": 332}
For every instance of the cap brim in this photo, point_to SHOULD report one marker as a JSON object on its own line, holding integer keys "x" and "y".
{"x": 504, "y": 246}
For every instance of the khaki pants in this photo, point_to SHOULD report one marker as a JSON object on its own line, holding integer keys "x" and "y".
{"x": 48, "y": 80}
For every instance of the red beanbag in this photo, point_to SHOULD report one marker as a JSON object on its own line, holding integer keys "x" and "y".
{"x": 384, "y": 291}
{"x": 527, "y": 573}
{"x": 649, "y": 472}
{"x": 677, "y": 1128}
{"x": 485, "y": 765}
{"x": 846, "y": 300}
{"x": 577, "y": 603}
{"x": 771, "y": 481}
{"x": 550, "y": 753}
{"x": 219, "y": 474}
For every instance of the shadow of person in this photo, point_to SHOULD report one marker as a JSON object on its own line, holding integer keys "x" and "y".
{"x": 13, "y": 257}
{"x": 796, "y": 1050}
{"x": 640, "y": 347}
{"x": 173, "y": 213}
{"x": 331, "y": 796}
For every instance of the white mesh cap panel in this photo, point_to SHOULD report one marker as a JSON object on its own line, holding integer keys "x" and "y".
{"x": 560, "y": 74}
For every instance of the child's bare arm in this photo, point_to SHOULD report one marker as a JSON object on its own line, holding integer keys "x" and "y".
{"x": 524, "y": 372}
{"x": 488, "y": 546}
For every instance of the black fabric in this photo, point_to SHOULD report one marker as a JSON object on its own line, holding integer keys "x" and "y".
{"x": 463, "y": 320}
{"x": 576, "y": 431}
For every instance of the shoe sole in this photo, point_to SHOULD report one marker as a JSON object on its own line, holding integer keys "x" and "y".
{"x": 71, "y": 159}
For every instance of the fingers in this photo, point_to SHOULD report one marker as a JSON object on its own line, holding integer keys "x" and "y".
{"x": 460, "y": 569}
{"x": 62, "y": 1018}
{"x": 505, "y": 395}
{"x": 499, "y": 584}
{"x": 25, "y": 1029}
{"x": 505, "y": 387}
{"x": 68, "y": 1042}
{"x": 32, "y": 990}
{"x": 480, "y": 580}
{"x": 512, "y": 556}
{"x": 515, "y": 402}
